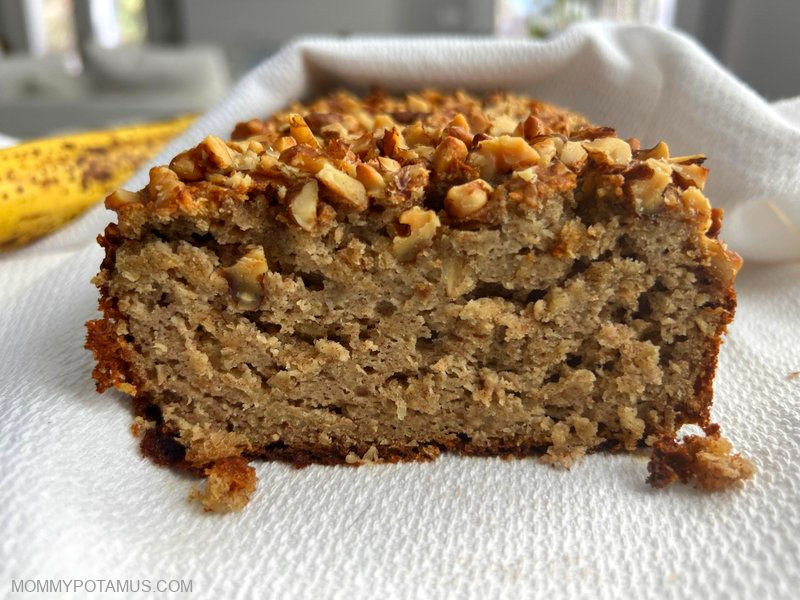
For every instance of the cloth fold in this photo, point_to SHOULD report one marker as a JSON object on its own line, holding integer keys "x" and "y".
{"x": 78, "y": 501}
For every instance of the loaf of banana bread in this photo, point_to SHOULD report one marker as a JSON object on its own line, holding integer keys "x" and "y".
{"x": 383, "y": 278}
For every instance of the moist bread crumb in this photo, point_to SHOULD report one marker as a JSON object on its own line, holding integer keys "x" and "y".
{"x": 705, "y": 461}
{"x": 360, "y": 280}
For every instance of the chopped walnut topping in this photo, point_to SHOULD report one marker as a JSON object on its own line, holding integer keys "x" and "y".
{"x": 546, "y": 147}
{"x": 503, "y": 125}
{"x": 528, "y": 174}
{"x": 186, "y": 167}
{"x": 573, "y": 155}
{"x": 389, "y": 164}
{"x": 659, "y": 151}
{"x": 303, "y": 205}
{"x": 691, "y": 174}
{"x": 121, "y": 198}
{"x": 304, "y": 157}
{"x": 284, "y": 143}
{"x": 347, "y": 191}
{"x": 371, "y": 179}
{"x": 394, "y": 143}
{"x": 503, "y": 154}
{"x": 531, "y": 128}
{"x": 422, "y": 225}
{"x": 610, "y": 151}
{"x": 467, "y": 199}
{"x": 417, "y": 103}
{"x": 165, "y": 188}
{"x": 448, "y": 154}
{"x": 697, "y": 205}
{"x": 218, "y": 152}
{"x": 648, "y": 191}
{"x": 244, "y": 279}
{"x": 301, "y": 132}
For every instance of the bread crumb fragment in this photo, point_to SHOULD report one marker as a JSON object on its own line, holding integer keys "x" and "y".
{"x": 704, "y": 461}
{"x": 229, "y": 484}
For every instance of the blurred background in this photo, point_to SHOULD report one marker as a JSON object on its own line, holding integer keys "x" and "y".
{"x": 67, "y": 65}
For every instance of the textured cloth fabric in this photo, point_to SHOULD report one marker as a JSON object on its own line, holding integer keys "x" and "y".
{"x": 78, "y": 501}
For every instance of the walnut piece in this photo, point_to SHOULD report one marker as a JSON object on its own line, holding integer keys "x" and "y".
{"x": 648, "y": 192}
{"x": 692, "y": 173}
{"x": 449, "y": 153}
{"x": 610, "y": 151}
{"x": 217, "y": 152}
{"x": 503, "y": 154}
{"x": 573, "y": 155}
{"x": 304, "y": 157}
{"x": 301, "y": 132}
{"x": 244, "y": 279}
{"x": 467, "y": 199}
{"x": 347, "y": 191}
{"x": 120, "y": 198}
{"x": 422, "y": 224}
{"x": 303, "y": 206}
{"x": 371, "y": 179}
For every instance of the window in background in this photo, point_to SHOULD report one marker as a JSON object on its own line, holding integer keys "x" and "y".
{"x": 116, "y": 22}
{"x": 540, "y": 18}
{"x": 50, "y": 27}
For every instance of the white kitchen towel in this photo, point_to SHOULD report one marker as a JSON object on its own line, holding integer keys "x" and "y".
{"x": 77, "y": 501}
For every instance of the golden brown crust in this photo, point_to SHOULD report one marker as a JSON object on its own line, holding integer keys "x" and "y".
{"x": 108, "y": 347}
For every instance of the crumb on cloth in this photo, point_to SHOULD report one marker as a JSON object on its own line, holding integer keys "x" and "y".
{"x": 704, "y": 461}
{"x": 229, "y": 484}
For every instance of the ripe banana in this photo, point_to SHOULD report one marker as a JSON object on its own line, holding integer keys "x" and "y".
{"x": 45, "y": 183}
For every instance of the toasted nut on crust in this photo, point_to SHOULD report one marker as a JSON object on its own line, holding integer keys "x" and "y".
{"x": 503, "y": 154}
{"x": 218, "y": 152}
{"x": 300, "y": 131}
{"x": 464, "y": 200}
{"x": 304, "y": 157}
{"x": 244, "y": 279}
{"x": 423, "y": 225}
{"x": 693, "y": 174}
{"x": 369, "y": 177}
{"x": 186, "y": 167}
{"x": 610, "y": 151}
{"x": 347, "y": 190}
{"x": 303, "y": 205}
{"x": 393, "y": 142}
{"x": 448, "y": 153}
{"x": 120, "y": 198}
{"x": 164, "y": 188}
{"x": 573, "y": 155}
{"x": 648, "y": 191}
{"x": 696, "y": 203}
{"x": 389, "y": 164}
{"x": 660, "y": 151}
{"x": 503, "y": 125}
{"x": 723, "y": 261}
{"x": 284, "y": 143}
{"x": 546, "y": 147}
{"x": 527, "y": 174}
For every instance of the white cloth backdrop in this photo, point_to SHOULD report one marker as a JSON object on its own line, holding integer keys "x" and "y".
{"x": 78, "y": 501}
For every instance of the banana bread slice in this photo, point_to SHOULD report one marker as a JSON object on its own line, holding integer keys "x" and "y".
{"x": 382, "y": 278}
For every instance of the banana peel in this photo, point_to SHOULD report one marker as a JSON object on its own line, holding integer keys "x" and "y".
{"x": 48, "y": 182}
